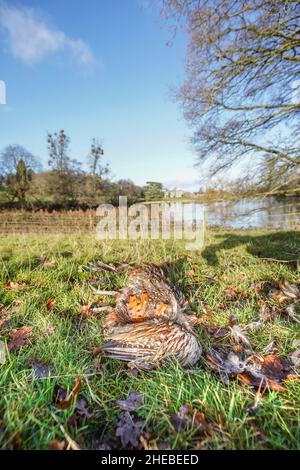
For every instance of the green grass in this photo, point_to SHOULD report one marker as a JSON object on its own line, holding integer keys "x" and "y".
{"x": 29, "y": 420}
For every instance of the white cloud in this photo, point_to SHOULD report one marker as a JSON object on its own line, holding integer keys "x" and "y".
{"x": 31, "y": 38}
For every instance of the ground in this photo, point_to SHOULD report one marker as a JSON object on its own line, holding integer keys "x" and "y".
{"x": 43, "y": 287}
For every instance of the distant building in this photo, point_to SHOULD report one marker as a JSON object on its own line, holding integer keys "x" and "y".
{"x": 173, "y": 193}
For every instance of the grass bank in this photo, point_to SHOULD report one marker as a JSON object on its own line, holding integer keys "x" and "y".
{"x": 43, "y": 288}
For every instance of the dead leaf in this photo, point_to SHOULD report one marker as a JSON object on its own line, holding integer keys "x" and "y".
{"x": 262, "y": 383}
{"x": 55, "y": 444}
{"x": 132, "y": 403}
{"x": 60, "y": 397}
{"x": 40, "y": 369}
{"x": 285, "y": 292}
{"x": 50, "y": 305}
{"x": 233, "y": 320}
{"x": 20, "y": 338}
{"x": 232, "y": 294}
{"x": 14, "y": 285}
{"x": 267, "y": 372}
{"x": 48, "y": 330}
{"x": 81, "y": 412}
{"x": 4, "y": 318}
{"x": 190, "y": 418}
{"x": 128, "y": 429}
{"x": 206, "y": 319}
{"x": 86, "y": 310}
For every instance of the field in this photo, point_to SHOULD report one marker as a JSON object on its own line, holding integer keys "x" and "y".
{"x": 43, "y": 289}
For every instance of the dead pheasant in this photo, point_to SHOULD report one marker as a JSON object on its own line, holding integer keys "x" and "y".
{"x": 151, "y": 321}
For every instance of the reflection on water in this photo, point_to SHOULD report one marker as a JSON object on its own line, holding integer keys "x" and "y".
{"x": 246, "y": 213}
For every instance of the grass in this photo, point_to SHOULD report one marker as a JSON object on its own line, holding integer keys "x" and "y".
{"x": 64, "y": 339}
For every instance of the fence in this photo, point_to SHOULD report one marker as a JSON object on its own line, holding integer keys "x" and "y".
{"x": 18, "y": 222}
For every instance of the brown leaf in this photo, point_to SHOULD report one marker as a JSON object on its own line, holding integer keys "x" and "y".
{"x": 14, "y": 285}
{"x": 20, "y": 338}
{"x": 4, "y": 318}
{"x": 86, "y": 310}
{"x": 272, "y": 365}
{"x": 50, "y": 305}
{"x": 292, "y": 378}
{"x": 262, "y": 383}
{"x": 55, "y": 444}
{"x": 285, "y": 292}
{"x": 233, "y": 320}
{"x": 267, "y": 372}
{"x": 232, "y": 294}
{"x": 217, "y": 332}
{"x": 206, "y": 319}
{"x": 60, "y": 397}
{"x": 258, "y": 287}
{"x": 50, "y": 262}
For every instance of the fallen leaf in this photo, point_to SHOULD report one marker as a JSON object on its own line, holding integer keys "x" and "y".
{"x": 133, "y": 402}
{"x": 14, "y": 285}
{"x": 55, "y": 444}
{"x": 133, "y": 372}
{"x": 206, "y": 318}
{"x": 40, "y": 369}
{"x": 86, "y": 310}
{"x": 285, "y": 292}
{"x": 4, "y": 318}
{"x": 50, "y": 305}
{"x": 266, "y": 372}
{"x": 20, "y": 338}
{"x": 233, "y": 320}
{"x": 181, "y": 419}
{"x": 232, "y": 294}
{"x": 81, "y": 412}
{"x": 60, "y": 397}
{"x": 262, "y": 383}
{"x": 190, "y": 418}
{"x": 217, "y": 332}
{"x": 48, "y": 330}
{"x": 128, "y": 429}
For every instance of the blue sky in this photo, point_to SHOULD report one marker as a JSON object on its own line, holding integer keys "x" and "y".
{"x": 98, "y": 68}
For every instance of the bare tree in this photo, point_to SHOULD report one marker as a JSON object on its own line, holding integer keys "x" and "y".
{"x": 95, "y": 159}
{"x": 63, "y": 181}
{"x": 241, "y": 94}
{"x": 12, "y": 155}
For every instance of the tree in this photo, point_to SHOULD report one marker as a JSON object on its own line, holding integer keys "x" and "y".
{"x": 17, "y": 167}
{"x": 58, "y": 148}
{"x": 11, "y": 156}
{"x": 95, "y": 157}
{"x": 241, "y": 94}
{"x": 129, "y": 189}
{"x": 153, "y": 191}
{"x": 19, "y": 183}
{"x": 65, "y": 170}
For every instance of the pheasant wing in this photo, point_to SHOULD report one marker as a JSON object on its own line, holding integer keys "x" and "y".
{"x": 136, "y": 342}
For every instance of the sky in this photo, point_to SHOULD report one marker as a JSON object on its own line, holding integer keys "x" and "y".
{"x": 96, "y": 68}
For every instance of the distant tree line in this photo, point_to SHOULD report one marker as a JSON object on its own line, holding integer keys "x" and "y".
{"x": 64, "y": 185}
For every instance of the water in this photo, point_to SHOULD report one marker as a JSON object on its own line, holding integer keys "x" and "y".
{"x": 265, "y": 213}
